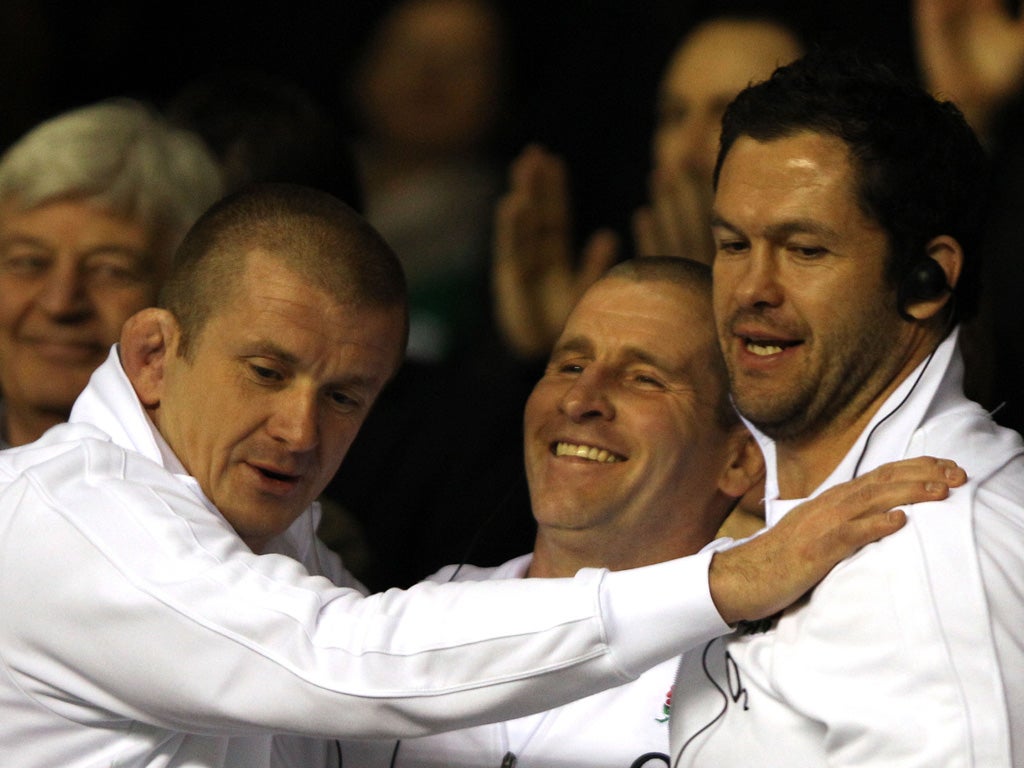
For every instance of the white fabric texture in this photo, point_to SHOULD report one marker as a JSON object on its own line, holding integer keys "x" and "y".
{"x": 139, "y": 630}
{"x": 609, "y": 729}
{"x": 911, "y": 652}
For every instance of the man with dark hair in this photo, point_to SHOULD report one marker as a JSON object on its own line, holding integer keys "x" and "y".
{"x": 846, "y": 209}
{"x": 160, "y": 582}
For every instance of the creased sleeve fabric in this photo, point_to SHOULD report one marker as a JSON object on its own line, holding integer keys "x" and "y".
{"x": 138, "y": 630}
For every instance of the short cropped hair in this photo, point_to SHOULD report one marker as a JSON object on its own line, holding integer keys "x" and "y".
{"x": 922, "y": 171}
{"x": 697, "y": 276}
{"x": 309, "y": 231}
{"x": 121, "y": 154}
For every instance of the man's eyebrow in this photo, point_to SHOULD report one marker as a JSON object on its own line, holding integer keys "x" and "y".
{"x": 15, "y": 239}
{"x": 630, "y": 354}
{"x": 575, "y": 344}
{"x": 800, "y": 227}
{"x": 782, "y": 229}
{"x": 717, "y": 220}
{"x": 640, "y": 355}
{"x": 269, "y": 349}
{"x": 25, "y": 238}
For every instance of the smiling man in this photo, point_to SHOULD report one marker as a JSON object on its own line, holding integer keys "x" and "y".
{"x": 634, "y": 456}
{"x": 93, "y": 203}
{"x": 847, "y": 209}
{"x": 161, "y": 585}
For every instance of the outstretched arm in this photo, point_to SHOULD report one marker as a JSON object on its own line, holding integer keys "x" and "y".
{"x": 773, "y": 570}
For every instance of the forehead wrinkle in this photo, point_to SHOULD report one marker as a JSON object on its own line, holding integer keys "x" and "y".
{"x": 41, "y": 241}
{"x": 783, "y": 229}
{"x": 266, "y": 348}
{"x": 718, "y": 220}
{"x": 310, "y": 313}
{"x": 623, "y": 355}
{"x": 578, "y": 344}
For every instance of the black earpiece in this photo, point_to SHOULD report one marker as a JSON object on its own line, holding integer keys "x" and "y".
{"x": 924, "y": 282}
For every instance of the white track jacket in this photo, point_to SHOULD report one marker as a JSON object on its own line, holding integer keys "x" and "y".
{"x": 137, "y": 629}
{"x": 911, "y": 653}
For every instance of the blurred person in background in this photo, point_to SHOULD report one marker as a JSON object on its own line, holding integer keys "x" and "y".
{"x": 972, "y": 53}
{"x": 426, "y": 94}
{"x": 265, "y": 126}
{"x": 93, "y": 203}
{"x": 537, "y": 275}
{"x": 461, "y": 501}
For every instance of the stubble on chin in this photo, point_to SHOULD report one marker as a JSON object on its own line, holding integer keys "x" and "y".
{"x": 780, "y": 417}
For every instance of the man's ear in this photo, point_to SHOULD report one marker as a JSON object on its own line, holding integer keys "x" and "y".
{"x": 947, "y": 253}
{"x": 745, "y": 466}
{"x": 148, "y": 339}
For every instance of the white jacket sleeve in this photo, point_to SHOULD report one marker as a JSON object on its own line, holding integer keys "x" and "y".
{"x": 165, "y": 618}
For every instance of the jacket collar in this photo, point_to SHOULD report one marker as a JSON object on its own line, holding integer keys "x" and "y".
{"x": 109, "y": 402}
{"x": 934, "y": 385}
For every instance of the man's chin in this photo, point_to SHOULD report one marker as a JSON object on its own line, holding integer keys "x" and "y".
{"x": 261, "y": 522}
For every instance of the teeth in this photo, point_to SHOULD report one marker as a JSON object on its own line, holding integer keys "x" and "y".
{"x": 763, "y": 349}
{"x": 585, "y": 452}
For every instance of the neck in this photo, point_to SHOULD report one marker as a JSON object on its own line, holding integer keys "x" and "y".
{"x": 561, "y": 553}
{"x": 804, "y": 463}
{"x": 806, "y": 460}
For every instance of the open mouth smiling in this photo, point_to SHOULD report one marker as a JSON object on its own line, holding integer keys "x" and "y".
{"x": 762, "y": 347}
{"x": 588, "y": 452}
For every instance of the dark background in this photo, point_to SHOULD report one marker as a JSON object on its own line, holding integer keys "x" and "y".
{"x": 585, "y": 70}
{"x": 584, "y": 81}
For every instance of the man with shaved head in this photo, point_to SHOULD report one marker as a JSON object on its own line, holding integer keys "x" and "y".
{"x": 634, "y": 456}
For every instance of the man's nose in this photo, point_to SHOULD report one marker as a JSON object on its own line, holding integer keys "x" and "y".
{"x": 588, "y": 397}
{"x": 63, "y": 293}
{"x": 294, "y": 421}
{"x": 758, "y": 283}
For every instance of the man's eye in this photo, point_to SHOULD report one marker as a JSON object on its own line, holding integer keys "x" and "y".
{"x": 731, "y": 246}
{"x": 570, "y": 368}
{"x": 265, "y": 373}
{"x": 116, "y": 271}
{"x": 344, "y": 401}
{"x": 24, "y": 264}
{"x": 808, "y": 251}
{"x": 648, "y": 381}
